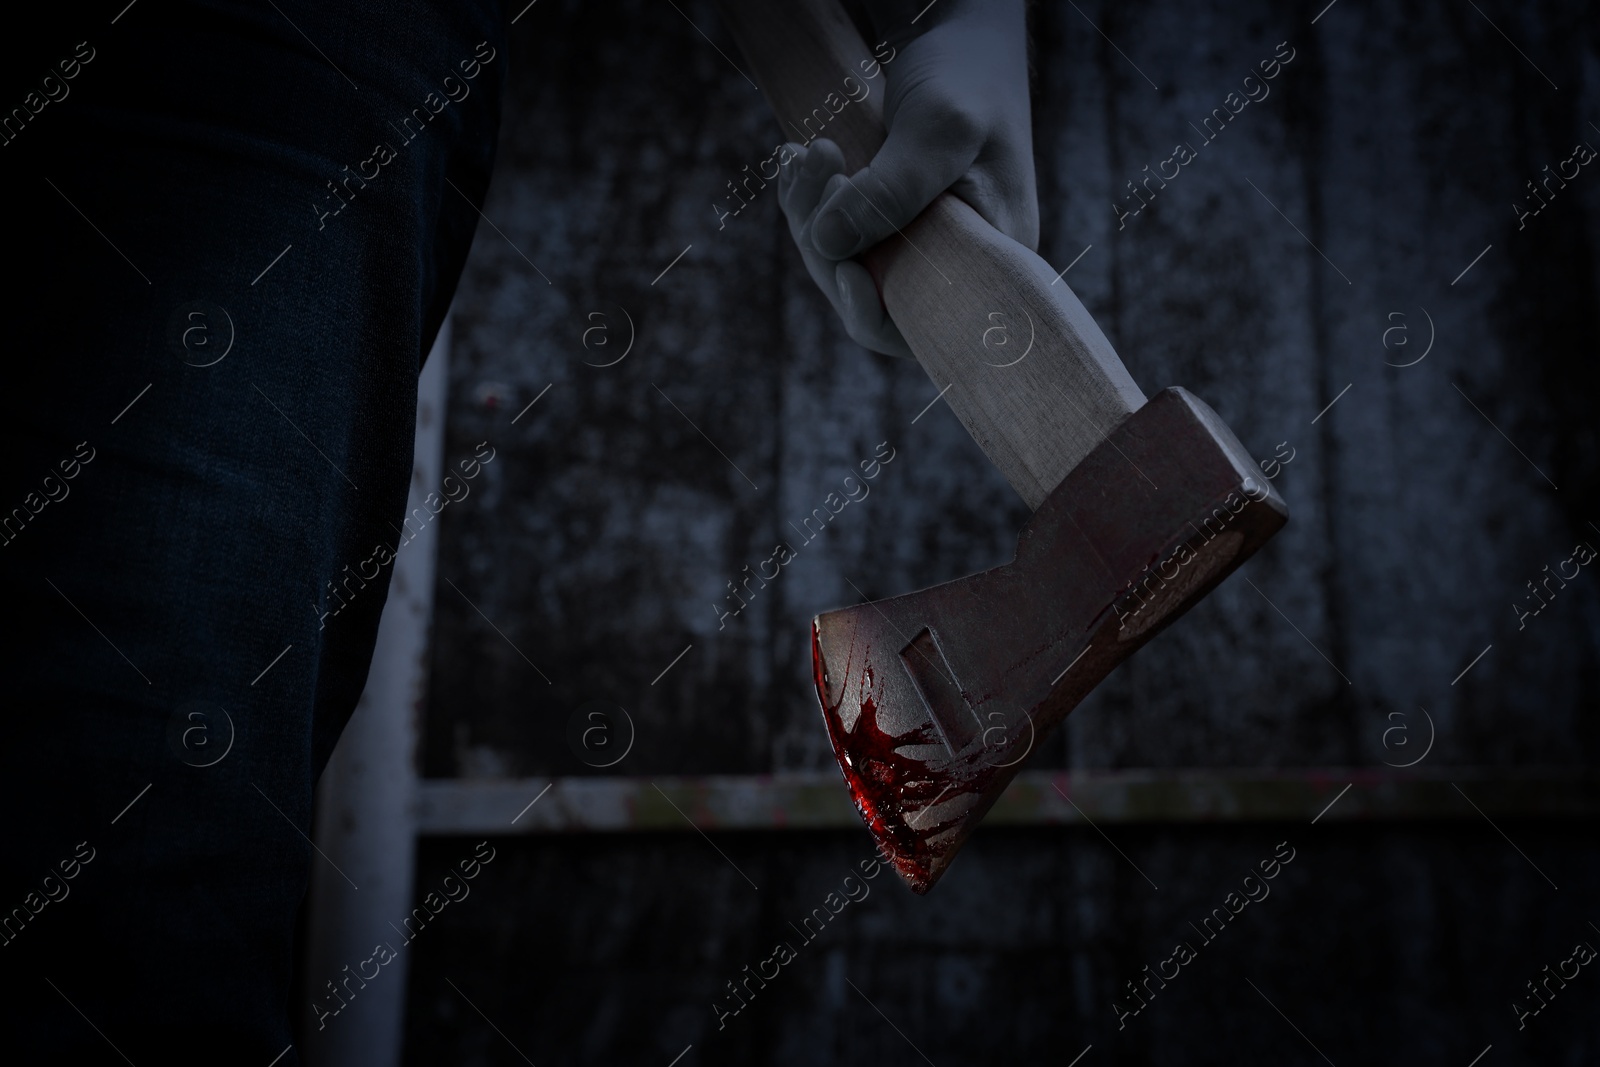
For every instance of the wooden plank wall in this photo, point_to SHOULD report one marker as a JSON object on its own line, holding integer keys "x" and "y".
{"x": 1348, "y": 202}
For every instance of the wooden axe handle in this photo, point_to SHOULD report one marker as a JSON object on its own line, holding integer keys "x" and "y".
{"x": 968, "y": 299}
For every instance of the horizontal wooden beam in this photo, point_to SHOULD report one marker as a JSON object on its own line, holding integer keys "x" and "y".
{"x": 819, "y": 801}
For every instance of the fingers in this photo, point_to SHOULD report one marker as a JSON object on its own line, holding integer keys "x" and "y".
{"x": 865, "y": 319}
{"x": 800, "y": 193}
{"x": 926, "y": 153}
{"x": 815, "y": 175}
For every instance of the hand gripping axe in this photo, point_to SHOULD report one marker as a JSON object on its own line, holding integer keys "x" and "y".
{"x": 933, "y": 699}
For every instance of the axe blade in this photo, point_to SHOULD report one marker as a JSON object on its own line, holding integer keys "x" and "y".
{"x": 934, "y": 699}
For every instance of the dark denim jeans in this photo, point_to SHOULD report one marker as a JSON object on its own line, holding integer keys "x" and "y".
{"x": 232, "y": 231}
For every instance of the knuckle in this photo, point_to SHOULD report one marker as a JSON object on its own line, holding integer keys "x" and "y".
{"x": 956, "y": 123}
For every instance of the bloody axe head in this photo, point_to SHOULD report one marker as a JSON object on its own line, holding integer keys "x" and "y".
{"x": 935, "y": 698}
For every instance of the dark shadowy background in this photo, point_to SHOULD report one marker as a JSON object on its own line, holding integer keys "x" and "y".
{"x": 1388, "y": 155}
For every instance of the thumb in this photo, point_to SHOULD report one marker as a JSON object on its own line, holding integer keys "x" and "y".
{"x": 916, "y": 163}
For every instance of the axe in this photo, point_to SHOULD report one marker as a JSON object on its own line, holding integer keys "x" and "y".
{"x": 934, "y": 699}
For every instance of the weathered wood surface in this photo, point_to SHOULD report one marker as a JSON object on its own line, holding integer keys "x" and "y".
{"x": 812, "y": 800}
{"x": 607, "y": 528}
{"x": 1380, "y": 945}
{"x": 610, "y": 526}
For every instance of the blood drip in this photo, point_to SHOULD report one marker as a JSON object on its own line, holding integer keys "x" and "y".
{"x": 868, "y": 761}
